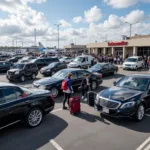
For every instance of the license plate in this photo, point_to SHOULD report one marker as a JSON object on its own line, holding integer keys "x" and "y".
{"x": 105, "y": 110}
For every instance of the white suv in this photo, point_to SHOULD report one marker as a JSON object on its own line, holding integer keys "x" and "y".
{"x": 134, "y": 62}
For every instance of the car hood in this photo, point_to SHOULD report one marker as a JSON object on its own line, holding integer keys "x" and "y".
{"x": 38, "y": 92}
{"x": 47, "y": 81}
{"x": 130, "y": 63}
{"x": 93, "y": 69}
{"x": 14, "y": 70}
{"x": 118, "y": 93}
{"x": 45, "y": 68}
{"x": 73, "y": 63}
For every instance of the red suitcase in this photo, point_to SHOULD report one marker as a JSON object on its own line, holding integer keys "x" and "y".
{"x": 74, "y": 105}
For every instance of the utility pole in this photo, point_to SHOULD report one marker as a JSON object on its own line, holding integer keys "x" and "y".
{"x": 58, "y": 25}
{"x": 35, "y": 37}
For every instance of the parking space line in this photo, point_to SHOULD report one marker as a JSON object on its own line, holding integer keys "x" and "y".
{"x": 148, "y": 115}
{"x": 143, "y": 144}
{"x": 56, "y": 110}
{"x": 56, "y": 145}
{"x": 148, "y": 147}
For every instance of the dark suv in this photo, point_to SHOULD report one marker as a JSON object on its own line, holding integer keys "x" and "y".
{"x": 43, "y": 62}
{"x": 20, "y": 104}
{"x": 4, "y": 66}
{"x": 20, "y": 71}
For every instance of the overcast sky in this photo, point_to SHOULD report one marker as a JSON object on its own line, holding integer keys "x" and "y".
{"x": 83, "y": 21}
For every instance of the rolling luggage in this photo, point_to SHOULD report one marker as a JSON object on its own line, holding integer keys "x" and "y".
{"x": 91, "y": 98}
{"x": 74, "y": 105}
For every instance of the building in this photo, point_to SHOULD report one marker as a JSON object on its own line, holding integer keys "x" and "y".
{"x": 136, "y": 45}
{"x": 75, "y": 48}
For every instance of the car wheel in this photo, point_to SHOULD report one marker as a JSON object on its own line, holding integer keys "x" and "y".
{"x": 34, "y": 117}
{"x": 54, "y": 91}
{"x": 53, "y": 72}
{"x": 115, "y": 72}
{"x": 94, "y": 85}
{"x": 140, "y": 113}
{"x": 33, "y": 76}
{"x": 22, "y": 79}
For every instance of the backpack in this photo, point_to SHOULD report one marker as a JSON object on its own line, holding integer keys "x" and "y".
{"x": 64, "y": 85}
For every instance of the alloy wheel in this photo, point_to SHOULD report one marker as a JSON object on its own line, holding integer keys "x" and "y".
{"x": 33, "y": 76}
{"x": 94, "y": 85}
{"x": 140, "y": 112}
{"x": 54, "y": 92}
{"x": 22, "y": 78}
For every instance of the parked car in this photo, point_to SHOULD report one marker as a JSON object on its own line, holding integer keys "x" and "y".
{"x": 104, "y": 69}
{"x": 66, "y": 59}
{"x": 4, "y": 57}
{"x": 133, "y": 63}
{"x": 15, "y": 59}
{"x": 43, "y": 62}
{"x": 19, "y": 104}
{"x": 4, "y": 66}
{"x": 54, "y": 83}
{"x": 129, "y": 97}
{"x": 52, "y": 68}
{"x": 21, "y": 71}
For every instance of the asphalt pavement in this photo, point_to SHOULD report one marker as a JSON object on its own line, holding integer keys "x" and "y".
{"x": 87, "y": 131}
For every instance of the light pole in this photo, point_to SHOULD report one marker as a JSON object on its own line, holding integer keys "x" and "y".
{"x": 131, "y": 27}
{"x": 58, "y": 32}
{"x": 35, "y": 37}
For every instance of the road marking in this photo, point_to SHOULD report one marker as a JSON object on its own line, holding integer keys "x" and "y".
{"x": 148, "y": 147}
{"x": 143, "y": 144}
{"x": 56, "y": 145}
{"x": 56, "y": 110}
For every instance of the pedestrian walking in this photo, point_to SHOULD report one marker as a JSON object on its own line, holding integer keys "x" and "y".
{"x": 67, "y": 89}
{"x": 85, "y": 84}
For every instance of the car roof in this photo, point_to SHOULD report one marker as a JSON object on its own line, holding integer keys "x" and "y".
{"x": 3, "y": 84}
{"x": 135, "y": 57}
{"x": 72, "y": 69}
{"x": 103, "y": 63}
{"x": 140, "y": 75}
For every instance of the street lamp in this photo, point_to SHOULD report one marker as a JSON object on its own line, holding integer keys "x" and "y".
{"x": 58, "y": 32}
{"x": 131, "y": 27}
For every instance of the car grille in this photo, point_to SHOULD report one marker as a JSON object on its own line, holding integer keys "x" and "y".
{"x": 128, "y": 65}
{"x": 11, "y": 73}
{"x": 109, "y": 103}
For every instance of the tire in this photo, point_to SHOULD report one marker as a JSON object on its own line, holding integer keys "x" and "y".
{"x": 33, "y": 76}
{"x": 115, "y": 72}
{"x": 80, "y": 67}
{"x": 34, "y": 117}
{"x": 22, "y": 78}
{"x": 93, "y": 85}
{"x": 139, "y": 115}
{"x": 54, "y": 91}
{"x": 53, "y": 72}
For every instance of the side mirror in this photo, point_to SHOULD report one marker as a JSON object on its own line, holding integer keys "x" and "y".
{"x": 114, "y": 83}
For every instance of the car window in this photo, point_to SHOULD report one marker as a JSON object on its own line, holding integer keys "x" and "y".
{"x": 74, "y": 75}
{"x": 2, "y": 100}
{"x": 82, "y": 73}
{"x": 140, "y": 59}
{"x": 9, "y": 94}
{"x": 111, "y": 66}
{"x": 106, "y": 67}
{"x": 19, "y": 93}
{"x": 28, "y": 66}
{"x": 40, "y": 61}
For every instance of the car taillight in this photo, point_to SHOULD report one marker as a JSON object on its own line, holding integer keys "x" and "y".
{"x": 24, "y": 95}
{"x": 52, "y": 97}
{"x": 101, "y": 76}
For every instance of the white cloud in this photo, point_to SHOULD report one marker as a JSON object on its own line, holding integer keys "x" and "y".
{"x": 93, "y": 15}
{"x": 77, "y": 19}
{"x": 35, "y": 1}
{"x": 64, "y": 23}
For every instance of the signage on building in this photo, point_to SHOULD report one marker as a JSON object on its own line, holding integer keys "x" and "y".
{"x": 123, "y": 43}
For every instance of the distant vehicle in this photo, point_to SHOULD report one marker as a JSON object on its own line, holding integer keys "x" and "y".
{"x": 54, "y": 83}
{"x": 43, "y": 62}
{"x": 134, "y": 63}
{"x": 52, "y": 68}
{"x": 104, "y": 69}
{"x": 4, "y": 57}
{"x": 82, "y": 61}
{"x": 26, "y": 59}
{"x": 66, "y": 59}
{"x": 21, "y": 71}
{"x": 129, "y": 97}
{"x": 4, "y": 66}
{"x": 23, "y": 105}
{"x": 15, "y": 59}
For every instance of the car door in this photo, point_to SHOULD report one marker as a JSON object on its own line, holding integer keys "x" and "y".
{"x": 27, "y": 70}
{"x": 74, "y": 79}
{"x": 105, "y": 69}
{"x": 111, "y": 69}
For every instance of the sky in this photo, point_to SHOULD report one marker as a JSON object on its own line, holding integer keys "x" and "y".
{"x": 82, "y": 21}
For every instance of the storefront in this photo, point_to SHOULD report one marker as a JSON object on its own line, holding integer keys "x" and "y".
{"x": 138, "y": 47}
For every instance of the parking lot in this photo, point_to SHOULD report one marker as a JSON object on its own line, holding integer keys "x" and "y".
{"x": 86, "y": 131}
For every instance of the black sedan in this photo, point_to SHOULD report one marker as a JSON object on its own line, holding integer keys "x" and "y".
{"x": 15, "y": 59}
{"x": 5, "y": 66}
{"x": 104, "y": 69}
{"x": 52, "y": 68}
{"x": 54, "y": 83}
{"x": 129, "y": 97}
{"x": 22, "y": 105}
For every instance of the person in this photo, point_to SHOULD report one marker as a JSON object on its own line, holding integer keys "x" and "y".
{"x": 145, "y": 62}
{"x": 68, "y": 91}
{"x": 148, "y": 62}
{"x": 85, "y": 84}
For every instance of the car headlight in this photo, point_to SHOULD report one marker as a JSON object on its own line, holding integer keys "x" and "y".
{"x": 42, "y": 87}
{"x": 97, "y": 99}
{"x": 17, "y": 72}
{"x": 128, "y": 105}
{"x": 48, "y": 70}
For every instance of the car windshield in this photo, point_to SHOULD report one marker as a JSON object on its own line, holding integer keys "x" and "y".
{"x": 131, "y": 60}
{"x": 33, "y": 60}
{"x": 52, "y": 64}
{"x": 135, "y": 83}
{"x": 98, "y": 66}
{"x": 61, "y": 74}
{"x": 18, "y": 66}
{"x": 78, "y": 59}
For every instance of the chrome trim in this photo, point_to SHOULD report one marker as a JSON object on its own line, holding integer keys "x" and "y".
{"x": 10, "y": 124}
{"x": 100, "y": 97}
